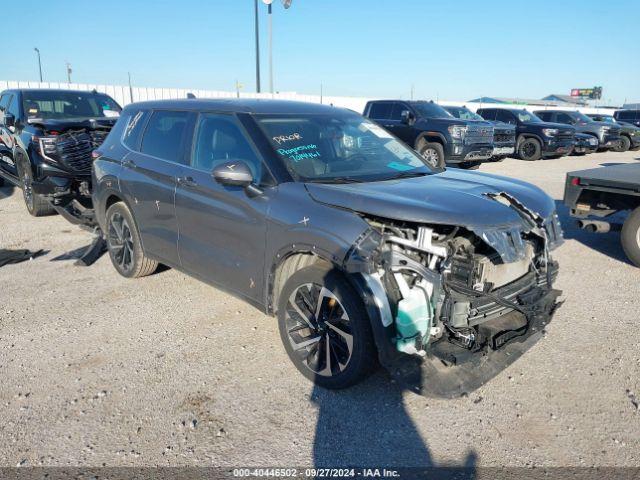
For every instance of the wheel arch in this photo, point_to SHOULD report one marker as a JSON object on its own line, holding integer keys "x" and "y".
{"x": 526, "y": 136}
{"x": 430, "y": 136}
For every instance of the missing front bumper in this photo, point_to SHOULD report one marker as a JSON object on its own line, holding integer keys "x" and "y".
{"x": 451, "y": 371}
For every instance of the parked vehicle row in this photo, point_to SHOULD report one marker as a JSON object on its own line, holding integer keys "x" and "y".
{"x": 365, "y": 251}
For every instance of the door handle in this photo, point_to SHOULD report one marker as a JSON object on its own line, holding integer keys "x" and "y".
{"x": 187, "y": 181}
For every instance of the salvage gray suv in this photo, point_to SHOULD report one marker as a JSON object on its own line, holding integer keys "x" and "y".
{"x": 317, "y": 215}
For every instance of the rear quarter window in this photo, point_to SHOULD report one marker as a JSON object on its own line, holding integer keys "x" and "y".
{"x": 164, "y": 135}
{"x": 133, "y": 131}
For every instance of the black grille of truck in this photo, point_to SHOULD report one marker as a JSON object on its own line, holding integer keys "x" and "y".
{"x": 73, "y": 148}
{"x": 566, "y": 135}
{"x": 504, "y": 137}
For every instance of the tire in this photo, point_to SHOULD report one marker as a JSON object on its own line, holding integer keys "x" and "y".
{"x": 623, "y": 145}
{"x": 36, "y": 204}
{"x": 530, "y": 149}
{"x": 124, "y": 245}
{"x": 432, "y": 153}
{"x": 347, "y": 326}
{"x": 630, "y": 237}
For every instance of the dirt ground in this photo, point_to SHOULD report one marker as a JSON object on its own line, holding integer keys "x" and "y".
{"x": 100, "y": 370}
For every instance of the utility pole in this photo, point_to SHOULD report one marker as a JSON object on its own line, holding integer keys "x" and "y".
{"x": 412, "y": 91}
{"x": 39, "y": 63}
{"x": 130, "y": 89}
{"x": 238, "y": 87}
{"x": 69, "y": 71}
{"x": 255, "y": 2}
{"x": 270, "y": 48}
{"x": 320, "y": 92}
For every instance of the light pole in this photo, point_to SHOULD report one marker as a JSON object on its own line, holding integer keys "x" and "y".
{"x": 39, "y": 62}
{"x": 286, "y": 4}
{"x": 255, "y": 4}
{"x": 69, "y": 72}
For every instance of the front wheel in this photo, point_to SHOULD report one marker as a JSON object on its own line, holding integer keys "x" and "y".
{"x": 630, "y": 237}
{"x": 432, "y": 153}
{"x": 623, "y": 144}
{"x": 36, "y": 204}
{"x": 325, "y": 328}
{"x": 530, "y": 149}
{"x": 124, "y": 245}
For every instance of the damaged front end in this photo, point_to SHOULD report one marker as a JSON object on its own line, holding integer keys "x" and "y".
{"x": 460, "y": 302}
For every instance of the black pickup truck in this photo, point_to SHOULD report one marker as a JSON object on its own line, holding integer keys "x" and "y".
{"x": 601, "y": 192}
{"x": 434, "y": 133}
{"x": 535, "y": 139}
{"x": 46, "y": 142}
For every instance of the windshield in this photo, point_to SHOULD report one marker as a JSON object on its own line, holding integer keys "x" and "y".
{"x": 58, "y": 105}
{"x": 525, "y": 116}
{"x": 431, "y": 110}
{"x": 463, "y": 113}
{"x": 338, "y": 148}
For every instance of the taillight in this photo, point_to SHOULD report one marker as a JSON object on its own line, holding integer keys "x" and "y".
{"x": 575, "y": 181}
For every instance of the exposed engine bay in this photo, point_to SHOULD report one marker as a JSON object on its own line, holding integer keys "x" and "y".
{"x": 456, "y": 291}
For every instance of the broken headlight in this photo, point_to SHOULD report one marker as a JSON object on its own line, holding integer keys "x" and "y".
{"x": 46, "y": 147}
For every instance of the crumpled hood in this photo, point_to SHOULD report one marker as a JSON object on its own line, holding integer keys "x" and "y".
{"x": 73, "y": 123}
{"x": 452, "y": 197}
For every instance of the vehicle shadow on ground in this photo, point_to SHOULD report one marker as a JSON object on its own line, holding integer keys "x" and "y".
{"x": 6, "y": 191}
{"x": 368, "y": 426}
{"x": 605, "y": 243}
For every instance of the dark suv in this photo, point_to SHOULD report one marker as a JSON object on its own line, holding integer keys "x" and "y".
{"x": 628, "y": 116}
{"x": 321, "y": 217}
{"x": 46, "y": 140}
{"x": 534, "y": 138}
{"x": 608, "y": 134}
{"x": 433, "y": 132}
{"x": 504, "y": 135}
{"x": 629, "y": 133}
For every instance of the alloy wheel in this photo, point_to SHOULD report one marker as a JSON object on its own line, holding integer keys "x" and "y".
{"x": 431, "y": 156}
{"x": 120, "y": 241}
{"x": 529, "y": 149}
{"x": 319, "y": 329}
{"x": 27, "y": 189}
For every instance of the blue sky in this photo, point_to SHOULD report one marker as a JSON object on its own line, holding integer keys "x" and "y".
{"x": 454, "y": 50}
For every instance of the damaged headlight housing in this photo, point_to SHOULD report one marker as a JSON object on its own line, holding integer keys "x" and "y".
{"x": 45, "y": 146}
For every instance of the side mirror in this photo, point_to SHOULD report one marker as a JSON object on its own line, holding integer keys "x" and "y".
{"x": 9, "y": 120}
{"x": 233, "y": 173}
{"x": 407, "y": 117}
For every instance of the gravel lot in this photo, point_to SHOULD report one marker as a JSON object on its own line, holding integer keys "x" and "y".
{"x": 100, "y": 370}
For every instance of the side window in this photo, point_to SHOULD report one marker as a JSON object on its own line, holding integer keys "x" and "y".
{"x": 564, "y": 118}
{"x": 506, "y": 117}
{"x": 381, "y": 110}
{"x": 396, "y": 111}
{"x": 546, "y": 116}
{"x": 133, "y": 130}
{"x": 164, "y": 135}
{"x": 219, "y": 139}
{"x": 487, "y": 114}
{"x": 13, "y": 107}
{"x": 4, "y": 101}
{"x": 628, "y": 115}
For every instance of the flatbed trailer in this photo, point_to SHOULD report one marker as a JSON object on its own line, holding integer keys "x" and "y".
{"x": 597, "y": 193}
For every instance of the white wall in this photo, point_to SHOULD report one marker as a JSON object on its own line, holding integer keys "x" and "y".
{"x": 123, "y": 96}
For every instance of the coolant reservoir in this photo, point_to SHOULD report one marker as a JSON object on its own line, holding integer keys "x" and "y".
{"x": 413, "y": 321}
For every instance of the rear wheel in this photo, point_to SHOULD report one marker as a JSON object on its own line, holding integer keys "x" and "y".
{"x": 325, "y": 328}
{"x": 37, "y": 205}
{"x": 630, "y": 237}
{"x": 432, "y": 153}
{"x": 124, "y": 245}
{"x": 530, "y": 149}
{"x": 623, "y": 145}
